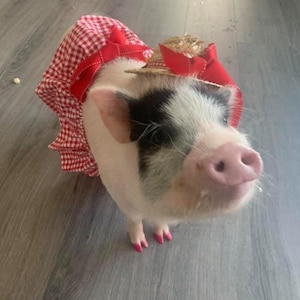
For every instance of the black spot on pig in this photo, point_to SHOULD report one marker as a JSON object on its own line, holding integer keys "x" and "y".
{"x": 219, "y": 95}
{"x": 150, "y": 125}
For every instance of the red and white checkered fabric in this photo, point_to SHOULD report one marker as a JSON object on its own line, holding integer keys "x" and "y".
{"x": 87, "y": 36}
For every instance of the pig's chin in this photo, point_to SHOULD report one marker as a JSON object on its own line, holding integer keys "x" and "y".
{"x": 232, "y": 193}
{"x": 208, "y": 200}
{"x": 221, "y": 199}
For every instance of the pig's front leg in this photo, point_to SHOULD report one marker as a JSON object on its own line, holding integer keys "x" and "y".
{"x": 162, "y": 230}
{"x": 136, "y": 233}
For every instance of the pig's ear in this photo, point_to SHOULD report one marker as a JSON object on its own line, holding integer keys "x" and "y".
{"x": 114, "y": 112}
{"x": 226, "y": 93}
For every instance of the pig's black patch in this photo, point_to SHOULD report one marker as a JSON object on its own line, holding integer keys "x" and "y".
{"x": 220, "y": 96}
{"x": 150, "y": 125}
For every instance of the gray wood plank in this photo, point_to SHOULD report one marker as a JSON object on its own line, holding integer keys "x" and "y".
{"x": 61, "y": 236}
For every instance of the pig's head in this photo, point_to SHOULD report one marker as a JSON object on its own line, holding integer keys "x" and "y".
{"x": 191, "y": 161}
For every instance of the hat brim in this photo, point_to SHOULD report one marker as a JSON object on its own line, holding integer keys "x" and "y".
{"x": 157, "y": 71}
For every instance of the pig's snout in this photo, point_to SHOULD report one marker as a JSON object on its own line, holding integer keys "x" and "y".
{"x": 233, "y": 164}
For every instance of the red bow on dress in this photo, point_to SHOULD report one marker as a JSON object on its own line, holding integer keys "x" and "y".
{"x": 206, "y": 67}
{"x": 116, "y": 46}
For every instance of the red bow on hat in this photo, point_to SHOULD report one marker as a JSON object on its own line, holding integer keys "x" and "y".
{"x": 206, "y": 67}
{"x": 116, "y": 46}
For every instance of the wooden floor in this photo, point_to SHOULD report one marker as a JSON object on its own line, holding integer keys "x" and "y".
{"x": 61, "y": 236}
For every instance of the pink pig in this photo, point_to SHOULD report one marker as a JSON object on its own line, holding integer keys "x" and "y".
{"x": 163, "y": 146}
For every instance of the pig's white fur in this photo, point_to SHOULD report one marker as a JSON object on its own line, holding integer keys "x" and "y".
{"x": 118, "y": 163}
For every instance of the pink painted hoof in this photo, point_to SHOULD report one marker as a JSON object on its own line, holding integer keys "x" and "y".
{"x": 144, "y": 244}
{"x": 159, "y": 238}
{"x": 169, "y": 236}
{"x": 137, "y": 247}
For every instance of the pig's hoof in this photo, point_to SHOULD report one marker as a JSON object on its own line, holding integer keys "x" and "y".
{"x": 139, "y": 247}
{"x": 137, "y": 236}
{"x": 169, "y": 236}
{"x": 162, "y": 231}
{"x": 159, "y": 238}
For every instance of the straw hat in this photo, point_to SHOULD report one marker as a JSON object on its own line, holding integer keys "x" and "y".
{"x": 177, "y": 56}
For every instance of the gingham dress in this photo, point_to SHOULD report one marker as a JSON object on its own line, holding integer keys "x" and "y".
{"x": 87, "y": 36}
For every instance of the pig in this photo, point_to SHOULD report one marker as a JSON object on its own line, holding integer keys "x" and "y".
{"x": 165, "y": 149}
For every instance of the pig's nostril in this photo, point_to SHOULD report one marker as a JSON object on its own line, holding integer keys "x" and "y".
{"x": 220, "y": 167}
{"x": 248, "y": 160}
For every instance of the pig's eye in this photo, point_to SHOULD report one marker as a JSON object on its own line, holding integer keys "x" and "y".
{"x": 158, "y": 137}
{"x": 225, "y": 120}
